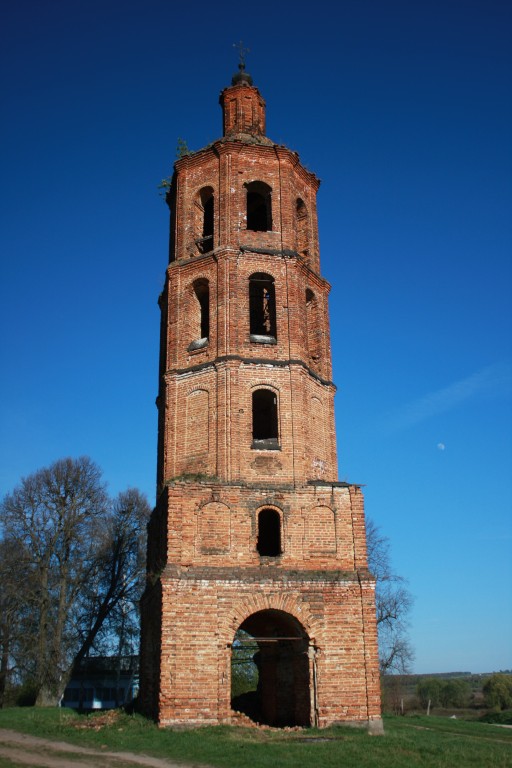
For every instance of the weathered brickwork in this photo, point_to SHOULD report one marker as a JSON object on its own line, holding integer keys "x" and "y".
{"x": 252, "y": 531}
{"x": 203, "y": 610}
{"x": 218, "y": 442}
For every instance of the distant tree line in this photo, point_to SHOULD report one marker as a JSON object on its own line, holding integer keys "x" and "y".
{"x": 455, "y": 692}
{"x": 72, "y": 569}
{"x": 446, "y": 693}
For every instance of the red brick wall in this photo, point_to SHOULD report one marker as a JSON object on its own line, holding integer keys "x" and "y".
{"x": 206, "y": 575}
{"x": 322, "y": 525}
{"x": 195, "y": 682}
{"x": 215, "y": 578}
{"x": 203, "y": 608}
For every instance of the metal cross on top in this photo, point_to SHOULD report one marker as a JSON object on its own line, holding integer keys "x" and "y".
{"x": 242, "y": 53}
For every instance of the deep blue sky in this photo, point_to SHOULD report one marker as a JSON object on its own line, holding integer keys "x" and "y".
{"x": 403, "y": 109}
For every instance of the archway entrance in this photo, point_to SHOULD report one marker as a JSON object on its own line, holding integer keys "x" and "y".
{"x": 270, "y": 679}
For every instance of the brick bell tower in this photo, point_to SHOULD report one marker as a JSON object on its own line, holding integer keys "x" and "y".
{"x": 253, "y": 539}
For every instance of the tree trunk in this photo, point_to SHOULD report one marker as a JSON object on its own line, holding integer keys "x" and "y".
{"x": 54, "y": 681}
{"x": 4, "y": 663}
{"x": 42, "y": 634}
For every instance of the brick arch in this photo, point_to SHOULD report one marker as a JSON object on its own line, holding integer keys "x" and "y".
{"x": 270, "y": 505}
{"x": 266, "y": 270}
{"x": 265, "y": 385}
{"x": 207, "y": 187}
{"x": 195, "y": 388}
{"x": 259, "y": 268}
{"x": 293, "y": 605}
{"x": 197, "y": 279}
{"x": 260, "y": 181}
{"x": 316, "y": 505}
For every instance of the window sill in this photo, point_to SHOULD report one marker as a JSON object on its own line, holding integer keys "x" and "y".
{"x": 256, "y": 338}
{"x": 198, "y": 344}
{"x": 270, "y": 444}
{"x": 204, "y": 244}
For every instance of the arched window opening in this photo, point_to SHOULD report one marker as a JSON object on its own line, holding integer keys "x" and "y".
{"x": 269, "y": 533}
{"x": 262, "y": 308}
{"x": 314, "y": 331}
{"x": 264, "y": 419}
{"x": 200, "y": 314}
{"x": 203, "y": 220}
{"x": 202, "y": 293}
{"x": 302, "y": 227}
{"x": 259, "y": 206}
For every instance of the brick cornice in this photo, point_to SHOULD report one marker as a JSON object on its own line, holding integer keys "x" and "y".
{"x": 226, "y": 251}
{"x": 267, "y": 573}
{"x": 249, "y": 361}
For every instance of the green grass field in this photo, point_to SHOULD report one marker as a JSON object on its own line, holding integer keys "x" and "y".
{"x": 426, "y": 742}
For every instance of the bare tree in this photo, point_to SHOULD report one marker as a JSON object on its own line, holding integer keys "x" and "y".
{"x": 50, "y": 518}
{"x": 109, "y": 606}
{"x": 10, "y": 612}
{"x": 394, "y": 602}
{"x": 72, "y": 567}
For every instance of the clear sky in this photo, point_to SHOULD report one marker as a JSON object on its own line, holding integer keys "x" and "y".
{"x": 403, "y": 109}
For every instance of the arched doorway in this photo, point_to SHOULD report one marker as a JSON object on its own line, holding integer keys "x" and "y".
{"x": 270, "y": 680}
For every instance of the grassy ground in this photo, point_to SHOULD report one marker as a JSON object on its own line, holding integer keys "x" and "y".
{"x": 425, "y": 742}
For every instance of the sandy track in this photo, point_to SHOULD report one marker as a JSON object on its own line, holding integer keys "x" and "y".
{"x": 25, "y": 750}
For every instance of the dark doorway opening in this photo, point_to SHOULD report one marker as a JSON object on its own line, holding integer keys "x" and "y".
{"x": 270, "y": 657}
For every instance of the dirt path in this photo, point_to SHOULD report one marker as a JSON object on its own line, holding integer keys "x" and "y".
{"x": 24, "y": 750}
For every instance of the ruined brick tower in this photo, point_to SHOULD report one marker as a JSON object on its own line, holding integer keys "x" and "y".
{"x": 252, "y": 531}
